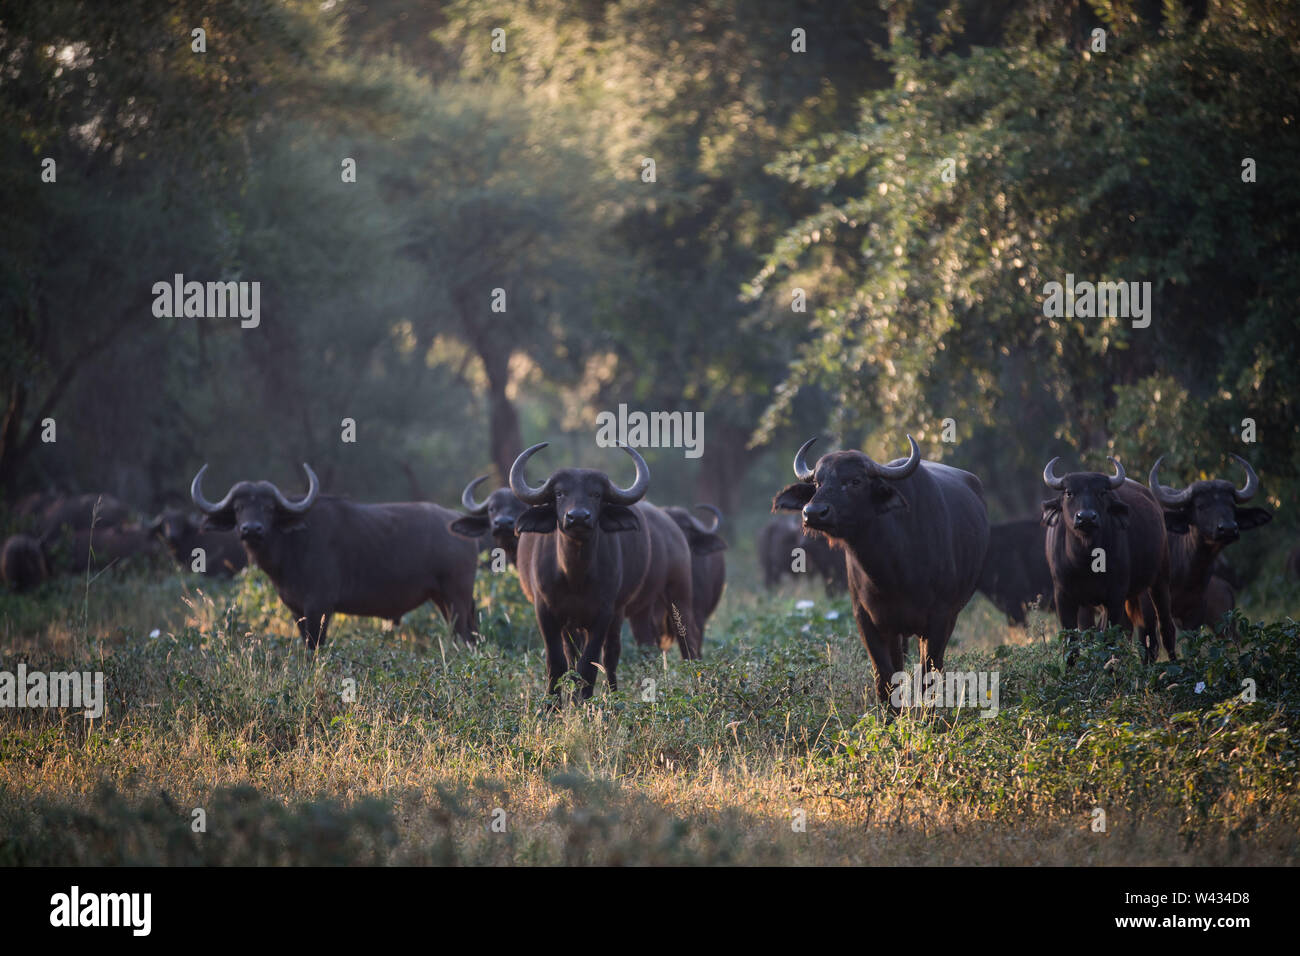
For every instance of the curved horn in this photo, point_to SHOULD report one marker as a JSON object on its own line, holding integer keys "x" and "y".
{"x": 895, "y": 472}
{"x": 1049, "y": 476}
{"x": 634, "y": 493}
{"x": 467, "y": 497}
{"x": 204, "y": 505}
{"x": 519, "y": 484}
{"x": 1252, "y": 482}
{"x": 717, "y": 519}
{"x": 1116, "y": 479}
{"x": 300, "y": 507}
{"x": 1168, "y": 497}
{"x": 801, "y": 469}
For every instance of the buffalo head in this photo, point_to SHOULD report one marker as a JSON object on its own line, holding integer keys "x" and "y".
{"x": 1087, "y": 500}
{"x": 703, "y": 538}
{"x": 497, "y": 514}
{"x": 254, "y": 508}
{"x": 846, "y": 490}
{"x": 1211, "y": 507}
{"x": 176, "y": 527}
{"x": 577, "y": 501}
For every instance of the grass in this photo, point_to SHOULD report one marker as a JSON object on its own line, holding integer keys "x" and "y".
{"x": 771, "y": 750}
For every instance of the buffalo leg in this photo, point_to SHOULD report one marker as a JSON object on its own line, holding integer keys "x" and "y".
{"x": 613, "y": 649}
{"x": 591, "y": 652}
{"x": 1165, "y": 617}
{"x": 884, "y": 653}
{"x": 313, "y": 624}
{"x": 681, "y": 615}
{"x": 1142, "y": 613}
{"x": 458, "y": 608}
{"x": 934, "y": 642}
{"x": 1067, "y": 613}
{"x": 557, "y": 661}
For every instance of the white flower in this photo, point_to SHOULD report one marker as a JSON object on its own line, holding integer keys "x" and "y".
{"x": 832, "y": 615}
{"x": 1200, "y": 687}
{"x": 155, "y": 632}
{"x": 802, "y": 605}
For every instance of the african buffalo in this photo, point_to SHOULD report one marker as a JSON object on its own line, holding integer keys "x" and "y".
{"x": 492, "y": 521}
{"x": 22, "y": 563}
{"x": 914, "y": 534}
{"x": 657, "y": 627}
{"x": 1015, "y": 573}
{"x": 79, "y": 512}
{"x": 97, "y": 548}
{"x": 777, "y": 540}
{"x": 1202, "y": 520}
{"x": 590, "y": 553}
{"x": 182, "y": 532}
{"x": 1106, "y": 546}
{"x": 328, "y": 555}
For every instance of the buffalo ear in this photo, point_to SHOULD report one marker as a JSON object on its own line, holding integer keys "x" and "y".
{"x": 1051, "y": 511}
{"x": 539, "y": 519}
{"x": 1178, "y": 522}
{"x": 794, "y": 497}
{"x": 1248, "y": 518}
{"x": 707, "y": 544}
{"x": 470, "y": 526}
{"x": 618, "y": 518}
{"x": 887, "y": 498}
{"x": 1119, "y": 512}
{"x": 221, "y": 521}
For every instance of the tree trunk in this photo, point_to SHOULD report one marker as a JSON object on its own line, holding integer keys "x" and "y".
{"x": 503, "y": 421}
{"x": 725, "y": 463}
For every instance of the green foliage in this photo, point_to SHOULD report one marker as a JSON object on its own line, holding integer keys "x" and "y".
{"x": 1126, "y": 166}
{"x": 226, "y": 711}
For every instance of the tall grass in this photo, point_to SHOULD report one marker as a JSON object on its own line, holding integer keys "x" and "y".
{"x": 397, "y": 745}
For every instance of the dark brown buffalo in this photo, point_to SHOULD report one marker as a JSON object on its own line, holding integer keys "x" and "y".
{"x": 79, "y": 512}
{"x": 327, "y": 555}
{"x": 914, "y": 533}
{"x": 1201, "y": 520}
{"x": 182, "y": 533}
{"x": 492, "y": 521}
{"x": 1108, "y": 518}
{"x": 22, "y": 563}
{"x": 1016, "y": 574}
{"x": 657, "y": 627}
{"x": 777, "y": 540}
{"x": 590, "y": 553}
{"x": 98, "y": 548}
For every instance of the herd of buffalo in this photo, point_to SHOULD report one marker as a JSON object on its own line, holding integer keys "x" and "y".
{"x": 910, "y": 540}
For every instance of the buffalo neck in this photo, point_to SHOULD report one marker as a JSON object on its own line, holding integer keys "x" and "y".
{"x": 1193, "y": 557}
{"x": 1078, "y": 550}
{"x": 269, "y": 555}
{"x": 575, "y": 557}
{"x": 877, "y": 554}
